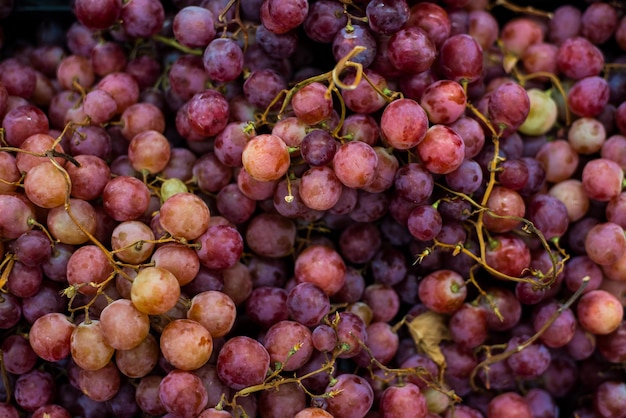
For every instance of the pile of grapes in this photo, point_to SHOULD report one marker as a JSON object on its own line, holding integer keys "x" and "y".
{"x": 324, "y": 208}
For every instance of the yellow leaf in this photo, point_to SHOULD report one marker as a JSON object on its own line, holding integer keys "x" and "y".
{"x": 427, "y": 331}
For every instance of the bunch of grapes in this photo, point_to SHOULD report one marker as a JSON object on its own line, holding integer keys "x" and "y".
{"x": 313, "y": 208}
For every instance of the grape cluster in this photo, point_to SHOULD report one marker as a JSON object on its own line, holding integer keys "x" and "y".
{"x": 292, "y": 208}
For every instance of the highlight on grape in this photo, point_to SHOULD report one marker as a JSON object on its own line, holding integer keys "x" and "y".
{"x": 312, "y": 208}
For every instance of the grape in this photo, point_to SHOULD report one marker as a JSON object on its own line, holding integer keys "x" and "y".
{"x": 107, "y": 58}
{"x": 444, "y": 101}
{"x": 154, "y": 291}
{"x": 91, "y": 140}
{"x": 565, "y": 24}
{"x": 143, "y": 19}
{"x": 324, "y": 20}
{"x": 461, "y": 58}
{"x": 266, "y": 157}
{"x": 267, "y": 305}
{"x": 387, "y": 16}
{"x": 182, "y": 394}
{"x": 609, "y": 398}
{"x": 588, "y": 96}
{"x": 90, "y": 178}
{"x": 510, "y": 404}
{"x": 348, "y": 38}
{"x": 612, "y": 149}
{"x": 141, "y": 117}
{"x": 411, "y": 50}
{"x": 542, "y": 210}
{"x": 123, "y": 326}
{"x": 33, "y": 390}
{"x": 275, "y": 45}
{"x": 507, "y": 304}
{"x": 363, "y": 98}
{"x": 508, "y": 106}
{"x": 578, "y": 58}
{"x": 355, "y": 164}
{"x": 199, "y": 18}
{"x": 321, "y": 266}
{"x": 424, "y": 222}
{"x": 359, "y": 242}
{"x": 33, "y": 248}
{"x": 307, "y": 304}
{"x": 599, "y": 312}
{"x": 50, "y": 336}
{"x": 353, "y": 399}
{"x": 262, "y": 86}
{"x": 147, "y": 395}
{"x": 582, "y": 345}
{"x": 117, "y": 198}
{"x": 288, "y": 344}
{"x": 185, "y": 215}
{"x": 403, "y": 124}
{"x": 602, "y": 179}
{"x": 561, "y": 331}
{"x": 97, "y": 15}
{"x": 598, "y": 22}
{"x": 188, "y": 79}
{"x": 466, "y": 178}
{"x": 215, "y": 311}
{"x": 282, "y": 16}
{"x": 529, "y": 363}
{"x": 320, "y": 189}
{"x": 312, "y": 412}
{"x": 383, "y": 300}
{"x": 135, "y": 152}
{"x": 75, "y": 229}
{"x": 220, "y": 247}
{"x": 432, "y": 19}
{"x": 210, "y": 173}
{"x": 541, "y": 57}
{"x": 468, "y": 326}
{"x": 572, "y": 194}
{"x": 317, "y": 147}
{"x": 312, "y": 104}
{"x": 242, "y": 362}
{"x": 442, "y": 150}
{"x": 88, "y": 347}
{"x": 17, "y": 355}
{"x": 181, "y": 260}
{"x": 140, "y": 360}
{"x": 178, "y": 337}
{"x": 131, "y": 241}
{"x": 52, "y": 411}
{"x": 580, "y": 267}
{"x": 605, "y": 243}
{"x": 122, "y": 87}
{"x": 509, "y": 255}
{"x": 351, "y": 333}
{"x": 223, "y": 59}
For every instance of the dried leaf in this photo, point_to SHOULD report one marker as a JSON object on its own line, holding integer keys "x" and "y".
{"x": 428, "y": 330}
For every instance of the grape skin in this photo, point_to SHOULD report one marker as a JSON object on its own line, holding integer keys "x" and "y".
{"x": 130, "y": 177}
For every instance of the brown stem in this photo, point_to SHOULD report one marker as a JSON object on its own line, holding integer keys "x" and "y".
{"x": 491, "y": 359}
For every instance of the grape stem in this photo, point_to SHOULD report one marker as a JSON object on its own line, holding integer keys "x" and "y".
{"x": 5, "y": 379}
{"x": 331, "y": 77}
{"x": 420, "y": 372}
{"x": 519, "y": 9}
{"x": 177, "y": 45}
{"x": 523, "y": 78}
{"x": 491, "y": 359}
{"x": 7, "y": 265}
{"x": 118, "y": 267}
